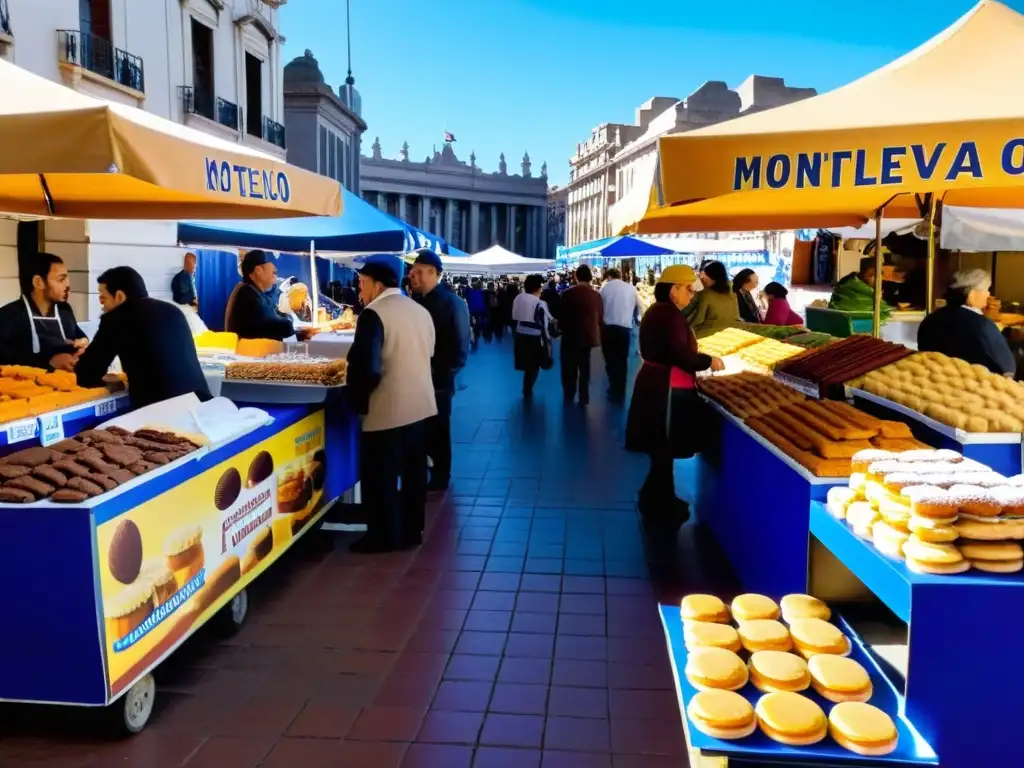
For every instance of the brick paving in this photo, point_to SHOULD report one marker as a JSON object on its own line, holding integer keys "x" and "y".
{"x": 523, "y": 634}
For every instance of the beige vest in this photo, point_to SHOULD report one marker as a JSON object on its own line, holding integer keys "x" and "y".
{"x": 405, "y": 394}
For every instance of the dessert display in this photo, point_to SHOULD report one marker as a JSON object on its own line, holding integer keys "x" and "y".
{"x": 748, "y": 394}
{"x": 834, "y": 364}
{"x": 941, "y": 513}
{"x": 216, "y": 342}
{"x": 793, "y": 689}
{"x": 704, "y": 608}
{"x": 766, "y": 354}
{"x": 863, "y": 729}
{"x": 722, "y": 715}
{"x": 790, "y": 718}
{"x": 26, "y": 392}
{"x": 727, "y": 342}
{"x": 810, "y": 339}
{"x": 824, "y": 435}
{"x": 290, "y": 368}
{"x": 90, "y": 464}
{"x": 950, "y": 391}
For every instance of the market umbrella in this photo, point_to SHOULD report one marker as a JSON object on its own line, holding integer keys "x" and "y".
{"x": 71, "y": 155}
{"x": 618, "y": 248}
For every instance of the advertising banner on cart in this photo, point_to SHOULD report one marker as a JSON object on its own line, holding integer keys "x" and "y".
{"x": 168, "y": 565}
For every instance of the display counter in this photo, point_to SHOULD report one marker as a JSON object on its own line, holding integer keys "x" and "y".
{"x": 52, "y": 427}
{"x": 998, "y": 450}
{"x": 758, "y": 749}
{"x": 961, "y": 692}
{"x": 97, "y": 593}
{"x": 740, "y": 486}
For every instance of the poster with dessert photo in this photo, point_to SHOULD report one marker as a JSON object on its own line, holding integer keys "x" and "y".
{"x": 169, "y": 564}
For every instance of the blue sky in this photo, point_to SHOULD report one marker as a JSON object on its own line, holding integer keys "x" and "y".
{"x": 537, "y": 75}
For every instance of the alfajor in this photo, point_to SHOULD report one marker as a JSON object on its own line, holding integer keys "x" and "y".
{"x": 838, "y": 678}
{"x": 722, "y": 715}
{"x": 707, "y": 634}
{"x": 863, "y": 729}
{"x": 790, "y": 718}
{"x": 715, "y": 668}
{"x": 803, "y": 607}
{"x": 932, "y": 502}
{"x": 814, "y": 636}
{"x": 993, "y": 556}
{"x": 750, "y": 606}
{"x": 839, "y": 499}
{"x": 929, "y": 557}
{"x": 888, "y": 540}
{"x": 931, "y": 531}
{"x": 764, "y": 635}
{"x": 772, "y": 671}
{"x": 861, "y": 517}
{"x": 704, "y": 608}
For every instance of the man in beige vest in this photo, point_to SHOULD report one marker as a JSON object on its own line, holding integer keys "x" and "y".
{"x": 389, "y": 384}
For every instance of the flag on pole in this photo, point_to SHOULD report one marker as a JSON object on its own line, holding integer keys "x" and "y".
{"x": 449, "y": 137}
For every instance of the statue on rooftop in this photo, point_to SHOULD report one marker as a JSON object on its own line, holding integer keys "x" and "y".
{"x": 502, "y": 166}
{"x": 526, "y": 165}
{"x": 544, "y": 170}
{"x": 376, "y": 148}
{"x": 405, "y": 152}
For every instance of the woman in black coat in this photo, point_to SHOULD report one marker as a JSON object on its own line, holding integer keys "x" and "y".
{"x": 744, "y": 285}
{"x": 670, "y": 360}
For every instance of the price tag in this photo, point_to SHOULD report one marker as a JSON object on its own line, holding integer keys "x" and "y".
{"x": 51, "y": 429}
{"x": 802, "y": 386}
{"x": 20, "y": 431}
{"x": 106, "y": 407}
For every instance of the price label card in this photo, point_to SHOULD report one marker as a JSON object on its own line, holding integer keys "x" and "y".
{"x": 20, "y": 431}
{"x": 106, "y": 408}
{"x": 51, "y": 429}
{"x": 802, "y": 386}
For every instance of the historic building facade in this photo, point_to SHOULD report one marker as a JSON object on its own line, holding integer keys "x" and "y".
{"x": 558, "y": 198}
{"x": 469, "y": 207}
{"x": 213, "y": 65}
{"x": 618, "y": 156}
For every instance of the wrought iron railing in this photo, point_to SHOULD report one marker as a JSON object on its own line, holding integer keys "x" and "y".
{"x": 102, "y": 58}
{"x": 5, "y": 19}
{"x": 273, "y": 132}
{"x": 229, "y": 114}
{"x": 196, "y": 101}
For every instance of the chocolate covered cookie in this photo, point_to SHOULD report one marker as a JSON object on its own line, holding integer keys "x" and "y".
{"x": 99, "y": 465}
{"x": 84, "y": 485}
{"x": 38, "y": 488}
{"x": 31, "y": 457}
{"x": 228, "y": 488}
{"x": 124, "y": 557}
{"x": 142, "y": 467}
{"x": 10, "y": 495}
{"x": 98, "y": 437}
{"x": 108, "y": 483}
{"x": 122, "y": 455}
{"x": 71, "y": 445}
{"x": 122, "y": 475}
{"x": 71, "y": 468}
{"x": 11, "y": 471}
{"x": 144, "y": 445}
{"x": 157, "y": 436}
{"x": 261, "y": 467}
{"x": 49, "y": 474}
{"x": 118, "y": 431}
{"x": 68, "y": 496}
{"x": 157, "y": 458}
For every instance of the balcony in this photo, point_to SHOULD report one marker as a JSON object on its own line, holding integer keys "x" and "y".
{"x": 6, "y": 33}
{"x": 93, "y": 57}
{"x": 273, "y": 133}
{"x": 197, "y": 101}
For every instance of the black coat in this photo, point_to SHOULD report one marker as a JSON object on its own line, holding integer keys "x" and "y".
{"x": 960, "y": 332}
{"x": 153, "y": 340}
{"x": 451, "y": 335}
{"x": 16, "y": 336}
{"x": 253, "y": 314}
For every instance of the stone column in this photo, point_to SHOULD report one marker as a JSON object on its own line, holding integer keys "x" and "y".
{"x": 494, "y": 224}
{"x": 449, "y": 219}
{"x": 425, "y": 203}
{"x": 512, "y": 228}
{"x": 474, "y": 227}
{"x": 402, "y": 207}
{"x": 382, "y": 202}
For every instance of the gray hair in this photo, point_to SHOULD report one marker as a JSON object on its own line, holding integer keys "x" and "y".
{"x": 968, "y": 280}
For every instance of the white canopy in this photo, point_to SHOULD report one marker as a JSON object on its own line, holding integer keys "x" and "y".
{"x": 495, "y": 261}
{"x": 981, "y": 229}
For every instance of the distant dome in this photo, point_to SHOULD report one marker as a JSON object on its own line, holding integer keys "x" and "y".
{"x": 303, "y": 69}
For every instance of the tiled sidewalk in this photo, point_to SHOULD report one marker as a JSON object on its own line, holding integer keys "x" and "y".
{"x": 523, "y": 634}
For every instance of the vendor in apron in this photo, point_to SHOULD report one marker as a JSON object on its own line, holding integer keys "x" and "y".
{"x": 38, "y": 328}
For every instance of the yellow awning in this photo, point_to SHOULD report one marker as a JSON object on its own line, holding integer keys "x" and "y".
{"x": 937, "y": 120}
{"x": 71, "y": 155}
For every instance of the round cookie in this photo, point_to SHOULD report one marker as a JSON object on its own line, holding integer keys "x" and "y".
{"x": 124, "y": 556}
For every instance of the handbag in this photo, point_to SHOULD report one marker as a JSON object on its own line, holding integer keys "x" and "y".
{"x": 546, "y": 356}
{"x": 687, "y": 417}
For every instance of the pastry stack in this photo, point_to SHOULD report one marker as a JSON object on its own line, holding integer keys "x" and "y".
{"x": 747, "y": 394}
{"x": 727, "y": 342}
{"x": 26, "y": 392}
{"x": 783, "y": 712}
{"x": 942, "y": 513}
{"x": 824, "y": 435}
{"x": 765, "y": 355}
{"x": 831, "y": 366}
{"x": 950, "y": 391}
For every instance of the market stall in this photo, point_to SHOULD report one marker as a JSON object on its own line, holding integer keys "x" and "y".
{"x": 495, "y": 261}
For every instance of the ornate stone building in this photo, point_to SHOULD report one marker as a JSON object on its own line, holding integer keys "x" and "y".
{"x": 557, "y": 200}
{"x": 618, "y": 156}
{"x": 468, "y": 206}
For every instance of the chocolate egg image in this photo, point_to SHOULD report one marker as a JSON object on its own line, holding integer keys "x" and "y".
{"x": 228, "y": 488}
{"x": 124, "y": 558}
{"x": 260, "y": 469}
{"x": 319, "y": 472}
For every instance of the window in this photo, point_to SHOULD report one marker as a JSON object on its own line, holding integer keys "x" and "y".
{"x": 253, "y": 95}
{"x": 202, "y": 69}
{"x": 331, "y": 155}
{"x": 322, "y": 165}
{"x": 94, "y": 18}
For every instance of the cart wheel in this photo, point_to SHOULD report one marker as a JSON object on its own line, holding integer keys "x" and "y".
{"x": 233, "y": 615}
{"x": 130, "y": 714}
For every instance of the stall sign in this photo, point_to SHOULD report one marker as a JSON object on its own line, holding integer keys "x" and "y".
{"x": 51, "y": 429}
{"x": 20, "y": 431}
{"x": 169, "y": 564}
{"x": 106, "y": 407}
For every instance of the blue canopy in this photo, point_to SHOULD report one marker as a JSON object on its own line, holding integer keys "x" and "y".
{"x": 361, "y": 228}
{"x": 620, "y": 247}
